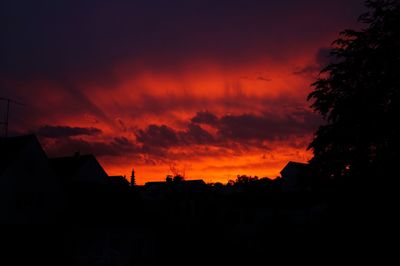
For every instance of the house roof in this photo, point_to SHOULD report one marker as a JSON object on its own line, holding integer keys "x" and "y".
{"x": 11, "y": 147}
{"x": 294, "y": 165}
{"x": 118, "y": 180}
{"x": 67, "y": 166}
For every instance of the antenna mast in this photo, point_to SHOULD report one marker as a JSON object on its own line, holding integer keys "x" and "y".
{"x": 6, "y": 120}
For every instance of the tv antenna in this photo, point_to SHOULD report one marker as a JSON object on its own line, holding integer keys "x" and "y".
{"x": 5, "y": 123}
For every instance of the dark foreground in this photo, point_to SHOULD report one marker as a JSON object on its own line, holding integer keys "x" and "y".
{"x": 248, "y": 225}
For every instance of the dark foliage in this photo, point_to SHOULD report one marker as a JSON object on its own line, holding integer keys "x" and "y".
{"x": 358, "y": 96}
{"x": 133, "y": 178}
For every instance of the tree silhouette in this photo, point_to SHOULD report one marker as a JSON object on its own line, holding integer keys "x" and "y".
{"x": 178, "y": 178}
{"x": 169, "y": 178}
{"x": 357, "y": 94}
{"x": 245, "y": 179}
{"x": 133, "y": 178}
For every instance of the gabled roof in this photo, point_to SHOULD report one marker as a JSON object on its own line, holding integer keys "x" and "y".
{"x": 68, "y": 166}
{"x": 11, "y": 147}
{"x": 294, "y": 165}
{"x": 118, "y": 180}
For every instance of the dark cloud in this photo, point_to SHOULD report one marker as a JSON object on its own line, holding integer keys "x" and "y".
{"x": 266, "y": 127}
{"x": 67, "y": 146}
{"x": 231, "y": 129}
{"x": 163, "y": 136}
{"x": 159, "y": 136}
{"x": 66, "y": 131}
{"x": 195, "y": 134}
{"x": 205, "y": 118}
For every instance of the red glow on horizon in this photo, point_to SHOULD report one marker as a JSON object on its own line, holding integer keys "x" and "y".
{"x": 139, "y": 99}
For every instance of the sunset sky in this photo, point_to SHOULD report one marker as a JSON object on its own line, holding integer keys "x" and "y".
{"x": 211, "y": 88}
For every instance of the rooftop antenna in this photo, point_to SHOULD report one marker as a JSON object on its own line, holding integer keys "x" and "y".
{"x": 6, "y": 120}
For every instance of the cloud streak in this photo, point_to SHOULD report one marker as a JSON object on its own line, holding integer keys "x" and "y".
{"x": 66, "y": 131}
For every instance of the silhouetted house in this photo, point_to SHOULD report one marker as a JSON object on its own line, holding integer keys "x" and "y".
{"x": 80, "y": 169}
{"x": 294, "y": 177}
{"x": 29, "y": 191}
{"x": 118, "y": 180}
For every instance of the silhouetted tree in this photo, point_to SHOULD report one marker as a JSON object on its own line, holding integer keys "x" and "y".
{"x": 218, "y": 185}
{"x": 174, "y": 178}
{"x": 168, "y": 179}
{"x": 133, "y": 179}
{"x": 244, "y": 179}
{"x": 230, "y": 183}
{"x": 357, "y": 94}
{"x": 178, "y": 172}
{"x": 178, "y": 178}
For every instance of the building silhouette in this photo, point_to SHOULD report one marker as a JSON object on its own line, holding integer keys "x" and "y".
{"x": 294, "y": 177}
{"x": 30, "y": 192}
{"x": 80, "y": 169}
